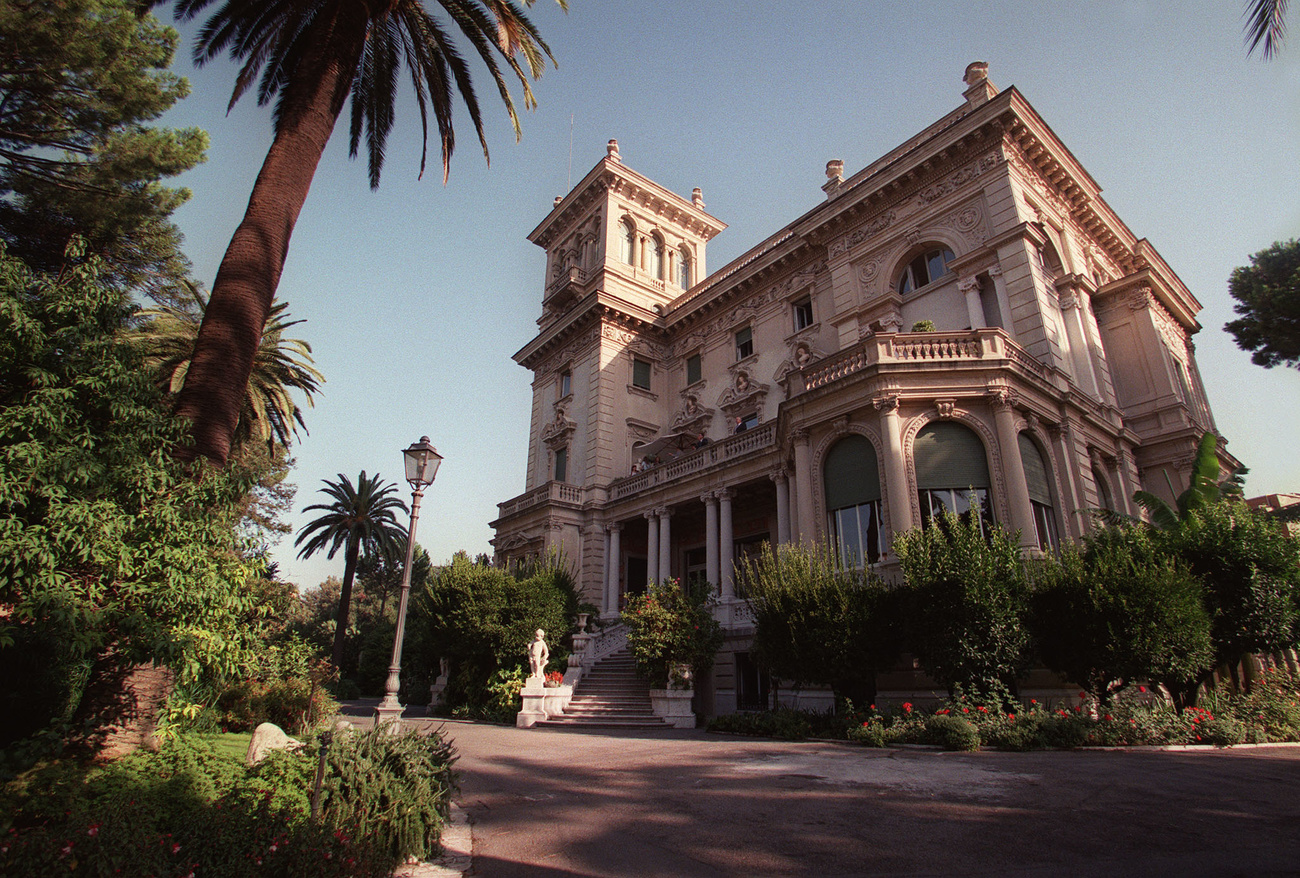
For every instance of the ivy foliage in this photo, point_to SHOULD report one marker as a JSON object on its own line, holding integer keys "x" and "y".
{"x": 110, "y": 551}
{"x": 967, "y": 596}
{"x": 819, "y": 622}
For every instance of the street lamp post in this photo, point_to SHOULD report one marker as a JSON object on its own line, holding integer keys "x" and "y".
{"x": 422, "y": 461}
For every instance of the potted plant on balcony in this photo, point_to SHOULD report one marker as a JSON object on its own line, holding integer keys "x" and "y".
{"x": 673, "y": 638}
{"x": 923, "y": 326}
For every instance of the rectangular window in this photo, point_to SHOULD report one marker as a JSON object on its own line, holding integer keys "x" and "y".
{"x": 748, "y": 422}
{"x": 566, "y": 383}
{"x": 694, "y": 369}
{"x": 561, "y": 464}
{"x": 744, "y": 343}
{"x": 641, "y": 373}
{"x": 803, "y": 316}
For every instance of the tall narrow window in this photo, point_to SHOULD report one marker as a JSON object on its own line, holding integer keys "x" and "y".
{"x": 627, "y": 242}
{"x": 683, "y": 268}
{"x": 952, "y": 472}
{"x": 1103, "y": 490}
{"x": 657, "y": 257}
{"x": 694, "y": 369}
{"x": 851, "y": 479}
{"x": 744, "y": 343}
{"x": 802, "y": 313}
{"x": 640, "y": 373}
{"x": 566, "y": 383}
{"x": 562, "y": 465}
{"x": 1040, "y": 495}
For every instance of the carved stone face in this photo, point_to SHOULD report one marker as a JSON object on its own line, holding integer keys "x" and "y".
{"x": 742, "y": 382}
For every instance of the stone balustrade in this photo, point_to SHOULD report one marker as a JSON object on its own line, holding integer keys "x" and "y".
{"x": 759, "y": 438}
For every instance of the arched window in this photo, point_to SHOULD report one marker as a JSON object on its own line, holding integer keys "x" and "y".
{"x": 684, "y": 268}
{"x": 929, "y": 265}
{"x": 952, "y": 471}
{"x": 627, "y": 242}
{"x": 657, "y": 256}
{"x": 1040, "y": 494}
{"x": 1104, "y": 496}
{"x": 852, "y": 482}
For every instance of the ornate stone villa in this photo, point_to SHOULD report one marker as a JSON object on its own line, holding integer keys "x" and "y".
{"x": 964, "y": 320}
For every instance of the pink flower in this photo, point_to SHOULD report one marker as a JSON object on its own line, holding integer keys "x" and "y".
{"x": 93, "y": 830}
{"x": 176, "y": 848}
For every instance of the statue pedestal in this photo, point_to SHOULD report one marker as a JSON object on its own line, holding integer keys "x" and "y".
{"x": 534, "y": 694}
{"x": 674, "y": 706}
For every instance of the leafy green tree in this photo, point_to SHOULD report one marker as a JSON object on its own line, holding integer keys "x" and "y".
{"x": 166, "y": 334}
{"x": 1268, "y": 305}
{"x": 966, "y": 599}
{"x": 1119, "y": 613}
{"x": 670, "y": 628}
{"x": 1205, "y": 489}
{"x": 360, "y": 519}
{"x": 482, "y": 618}
{"x": 311, "y": 56}
{"x": 111, "y": 554}
{"x": 1266, "y": 25}
{"x": 80, "y": 81}
{"x": 1250, "y": 570}
{"x": 819, "y": 622}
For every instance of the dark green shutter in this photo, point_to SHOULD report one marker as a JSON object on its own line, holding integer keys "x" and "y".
{"x": 850, "y": 474}
{"x": 1035, "y": 470}
{"x": 949, "y": 455}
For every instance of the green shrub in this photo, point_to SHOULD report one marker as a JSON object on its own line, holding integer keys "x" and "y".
{"x": 951, "y": 732}
{"x": 784, "y": 723}
{"x": 669, "y": 628}
{"x": 870, "y": 733}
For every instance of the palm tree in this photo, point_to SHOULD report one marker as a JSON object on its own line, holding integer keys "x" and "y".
{"x": 268, "y": 413}
{"x": 311, "y": 54}
{"x": 359, "y": 519}
{"x": 1205, "y": 488}
{"x": 1265, "y": 23}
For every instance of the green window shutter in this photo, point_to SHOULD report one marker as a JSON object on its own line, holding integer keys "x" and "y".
{"x": 1035, "y": 470}
{"x": 948, "y": 455}
{"x": 850, "y": 474}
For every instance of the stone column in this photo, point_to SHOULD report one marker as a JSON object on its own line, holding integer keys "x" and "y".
{"x": 615, "y": 566}
{"x": 782, "y": 506}
{"x": 803, "y": 485}
{"x": 605, "y": 590}
{"x": 1080, "y": 350}
{"x": 665, "y": 544}
{"x": 970, "y": 288}
{"x": 900, "y": 496}
{"x": 726, "y": 541}
{"x": 1004, "y": 303}
{"x": 711, "y": 541}
{"x": 1062, "y": 445}
{"x": 1013, "y": 468}
{"x": 1120, "y": 472}
{"x": 652, "y": 547}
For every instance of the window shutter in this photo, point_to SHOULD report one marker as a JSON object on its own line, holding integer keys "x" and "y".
{"x": 949, "y": 455}
{"x": 1035, "y": 470}
{"x": 850, "y": 475}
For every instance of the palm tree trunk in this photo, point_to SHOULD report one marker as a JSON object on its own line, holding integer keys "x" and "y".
{"x": 345, "y": 601}
{"x": 250, "y": 270}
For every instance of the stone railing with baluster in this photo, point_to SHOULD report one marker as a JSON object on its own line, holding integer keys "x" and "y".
{"x": 551, "y": 491}
{"x": 755, "y": 439}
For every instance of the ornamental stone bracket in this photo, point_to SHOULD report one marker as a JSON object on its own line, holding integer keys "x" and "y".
{"x": 557, "y": 433}
{"x": 693, "y": 417}
{"x": 744, "y": 395}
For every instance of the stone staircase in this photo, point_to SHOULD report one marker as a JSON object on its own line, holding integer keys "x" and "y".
{"x": 609, "y": 696}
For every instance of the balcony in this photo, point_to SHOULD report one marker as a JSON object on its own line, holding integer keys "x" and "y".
{"x": 760, "y": 438}
{"x": 916, "y": 348}
{"x": 551, "y": 492}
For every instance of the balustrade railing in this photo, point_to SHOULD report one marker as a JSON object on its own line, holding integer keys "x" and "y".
{"x": 551, "y": 491}
{"x": 731, "y": 448}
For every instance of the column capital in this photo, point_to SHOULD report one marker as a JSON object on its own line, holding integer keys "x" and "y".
{"x": 1003, "y": 399}
{"x": 995, "y": 271}
{"x": 651, "y": 515}
{"x": 1059, "y": 429}
{"x": 779, "y": 475}
{"x": 724, "y": 493}
{"x": 709, "y": 498}
{"x": 662, "y": 512}
{"x": 613, "y": 528}
{"x": 800, "y": 435}
{"x": 1069, "y": 302}
{"x": 969, "y": 284}
{"x": 886, "y": 402}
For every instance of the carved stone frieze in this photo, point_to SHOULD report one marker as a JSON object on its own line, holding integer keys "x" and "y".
{"x": 958, "y": 178}
{"x": 968, "y": 222}
{"x": 874, "y": 226}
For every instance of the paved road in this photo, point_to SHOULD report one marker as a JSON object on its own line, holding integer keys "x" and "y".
{"x": 552, "y": 803}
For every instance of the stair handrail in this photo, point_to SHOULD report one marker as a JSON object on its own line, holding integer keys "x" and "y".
{"x": 605, "y": 642}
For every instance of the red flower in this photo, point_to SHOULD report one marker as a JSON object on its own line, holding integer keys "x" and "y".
{"x": 1109, "y": 717}
{"x": 1142, "y": 689}
{"x": 965, "y": 710}
{"x": 983, "y": 709}
{"x": 1011, "y": 716}
{"x": 907, "y": 707}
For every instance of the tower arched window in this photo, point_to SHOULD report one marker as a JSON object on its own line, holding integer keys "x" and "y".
{"x": 952, "y": 471}
{"x": 1037, "y": 479}
{"x": 656, "y": 256}
{"x": 926, "y": 267}
{"x": 627, "y": 242}
{"x": 851, "y": 480}
{"x": 684, "y": 268}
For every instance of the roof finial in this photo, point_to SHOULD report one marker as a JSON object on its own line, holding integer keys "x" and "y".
{"x": 611, "y": 150}
{"x": 980, "y": 90}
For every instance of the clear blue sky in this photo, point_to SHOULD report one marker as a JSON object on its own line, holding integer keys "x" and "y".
{"x": 417, "y": 295}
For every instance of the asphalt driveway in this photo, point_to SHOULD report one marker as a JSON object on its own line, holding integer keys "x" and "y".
{"x": 563, "y": 803}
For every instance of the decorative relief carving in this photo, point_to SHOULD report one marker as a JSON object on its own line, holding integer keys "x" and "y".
{"x": 1002, "y": 398}
{"x": 1172, "y": 332}
{"x": 867, "y": 271}
{"x": 968, "y": 285}
{"x": 569, "y": 351}
{"x": 958, "y": 179}
{"x": 1139, "y": 299}
{"x": 640, "y": 433}
{"x": 947, "y": 408}
{"x": 693, "y": 417}
{"x": 875, "y": 226}
{"x": 633, "y": 341}
{"x": 557, "y": 433}
{"x": 802, "y": 353}
{"x": 886, "y": 402}
{"x": 743, "y": 396}
{"x": 968, "y": 222}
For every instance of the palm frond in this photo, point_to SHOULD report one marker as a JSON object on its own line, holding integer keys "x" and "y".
{"x": 1266, "y": 25}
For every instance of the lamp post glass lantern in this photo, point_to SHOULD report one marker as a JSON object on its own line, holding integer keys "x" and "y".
{"x": 422, "y": 461}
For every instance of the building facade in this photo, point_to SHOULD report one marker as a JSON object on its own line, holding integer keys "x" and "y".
{"x": 964, "y": 321}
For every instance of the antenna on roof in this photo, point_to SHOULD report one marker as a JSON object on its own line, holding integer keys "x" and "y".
{"x": 570, "y": 183}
